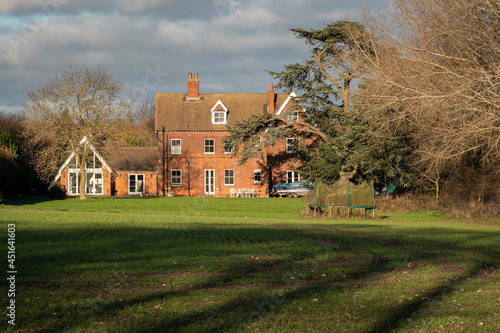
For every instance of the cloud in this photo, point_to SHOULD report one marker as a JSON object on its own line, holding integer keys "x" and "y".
{"x": 135, "y": 6}
{"x": 252, "y": 18}
{"x": 231, "y": 43}
{"x": 53, "y": 7}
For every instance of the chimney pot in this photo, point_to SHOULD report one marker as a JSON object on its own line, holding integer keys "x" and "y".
{"x": 193, "y": 87}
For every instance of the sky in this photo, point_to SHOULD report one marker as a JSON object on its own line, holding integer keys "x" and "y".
{"x": 152, "y": 45}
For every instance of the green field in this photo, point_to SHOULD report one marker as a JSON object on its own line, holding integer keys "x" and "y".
{"x": 245, "y": 264}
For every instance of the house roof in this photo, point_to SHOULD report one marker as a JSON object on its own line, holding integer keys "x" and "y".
{"x": 116, "y": 158}
{"x": 132, "y": 158}
{"x": 175, "y": 112}
{"x": 84, "y": 142}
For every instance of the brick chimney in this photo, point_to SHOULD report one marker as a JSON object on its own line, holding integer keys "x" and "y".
{"x": 271, "y": 99}
{"x": 193, "y": 87}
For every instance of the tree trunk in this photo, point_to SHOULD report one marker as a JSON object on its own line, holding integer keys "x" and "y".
{"x": 436, "y": 182}
{"x": 83, "y": 174}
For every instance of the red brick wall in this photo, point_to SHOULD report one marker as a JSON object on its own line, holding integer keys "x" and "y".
{"x": 193, "y": 180}
{"x": 280, "y": 161}
{"x": 122, "y": 182}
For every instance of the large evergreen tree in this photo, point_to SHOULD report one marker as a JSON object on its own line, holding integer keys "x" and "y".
{"x": 324, "y": 84}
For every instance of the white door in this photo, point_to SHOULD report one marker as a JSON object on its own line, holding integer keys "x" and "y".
{"x": 209, "y": 181}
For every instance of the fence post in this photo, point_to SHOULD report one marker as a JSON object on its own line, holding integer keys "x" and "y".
{"x": 348, "y": 196}
{"x": 373, "y": 194}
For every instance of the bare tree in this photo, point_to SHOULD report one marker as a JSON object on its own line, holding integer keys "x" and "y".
{"x": 435, "y": 72}
{"x": 144, "y": 115}
{"x": 79, "y": 102}
{"x": 137, "y": 127}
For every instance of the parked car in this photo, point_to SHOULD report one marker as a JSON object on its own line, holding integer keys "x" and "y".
{"x": 293, "y": 190}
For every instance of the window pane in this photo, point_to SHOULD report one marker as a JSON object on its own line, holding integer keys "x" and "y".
{"x": 293, "y": 115}
{"x": 98, "y": 164}
{"x": 292, "y": 176}
{"x": 228, "y": 177}
{"x": 219, "y": 117}
{"x": 209, "y": 146}
{"x": 257, "y": 176}
{"x": 72, "y": 163}
{"x": 176, "y": 146}
{"x": 291, "y": 144}
{"x": 73, "y": 183}
{"x": 209, "y": 181}
{"x": 176, "y": 179}
{"x": 89, "y": 161}
{"x": 98, "y": 183}
{"x": 90, "y": 180}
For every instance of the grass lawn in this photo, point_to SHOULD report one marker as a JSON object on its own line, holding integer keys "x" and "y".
{"x": 244, "y": 264}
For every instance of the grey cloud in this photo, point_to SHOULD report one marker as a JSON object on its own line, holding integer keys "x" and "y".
{"x": 230, "y": 47}
{"x": 54, "y": 7}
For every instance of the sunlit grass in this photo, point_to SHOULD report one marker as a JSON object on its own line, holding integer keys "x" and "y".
{"x": 241, "y": 264}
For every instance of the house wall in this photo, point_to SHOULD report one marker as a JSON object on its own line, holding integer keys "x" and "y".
{"x": 107, "y": 183}
{"x": 121, "y": 183}
{"x": 193, "y": 173}
{"x": 193, "y": 161}
{"x": 279, "y": 161}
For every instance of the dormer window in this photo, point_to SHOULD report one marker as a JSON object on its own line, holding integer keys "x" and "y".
{"x": 219, "y": 113}
{"x": 293, "y": 115}
{"x": 219, "y": 117}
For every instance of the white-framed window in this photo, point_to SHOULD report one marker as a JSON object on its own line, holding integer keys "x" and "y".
{"x": 259, "y": 144}
{"x": 209, "y": 146}
{"x": 176, "y": 178}
{"x": 257, "y": 175}
{"x": 291, "y": 145}
{"x": 209, "y": 181}
{"x": 229, "y": 177}
{"x": 293, "y": 115}
{"x": 219, "y": 117}
{"x": 136, "y": 184}
{"x": 175, "y": 146}
{"x": 219, "y": 113}
{"x": 93, "y": 175}
{"x": 292, "y": 176}
{"x": 73, "y": 182}
{"x": 229, "y": 150}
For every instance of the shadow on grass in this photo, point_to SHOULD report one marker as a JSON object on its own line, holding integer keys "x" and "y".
{"x": 377, "y": 253}
{"x": 412, "y": 310}
{"x": 14, "y": 200}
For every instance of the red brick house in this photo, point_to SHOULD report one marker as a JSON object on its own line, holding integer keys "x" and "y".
{"x": 192, "y": 159}
{"x": 121, "y": 171}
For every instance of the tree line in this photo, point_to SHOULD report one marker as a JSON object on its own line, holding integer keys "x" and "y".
{"x": 410, "y": 96}
{"x": 79, "y": 102}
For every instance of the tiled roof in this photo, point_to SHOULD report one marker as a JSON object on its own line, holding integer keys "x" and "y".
{"x": 176, "y": 113}
{"x": 132, "y": 158}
